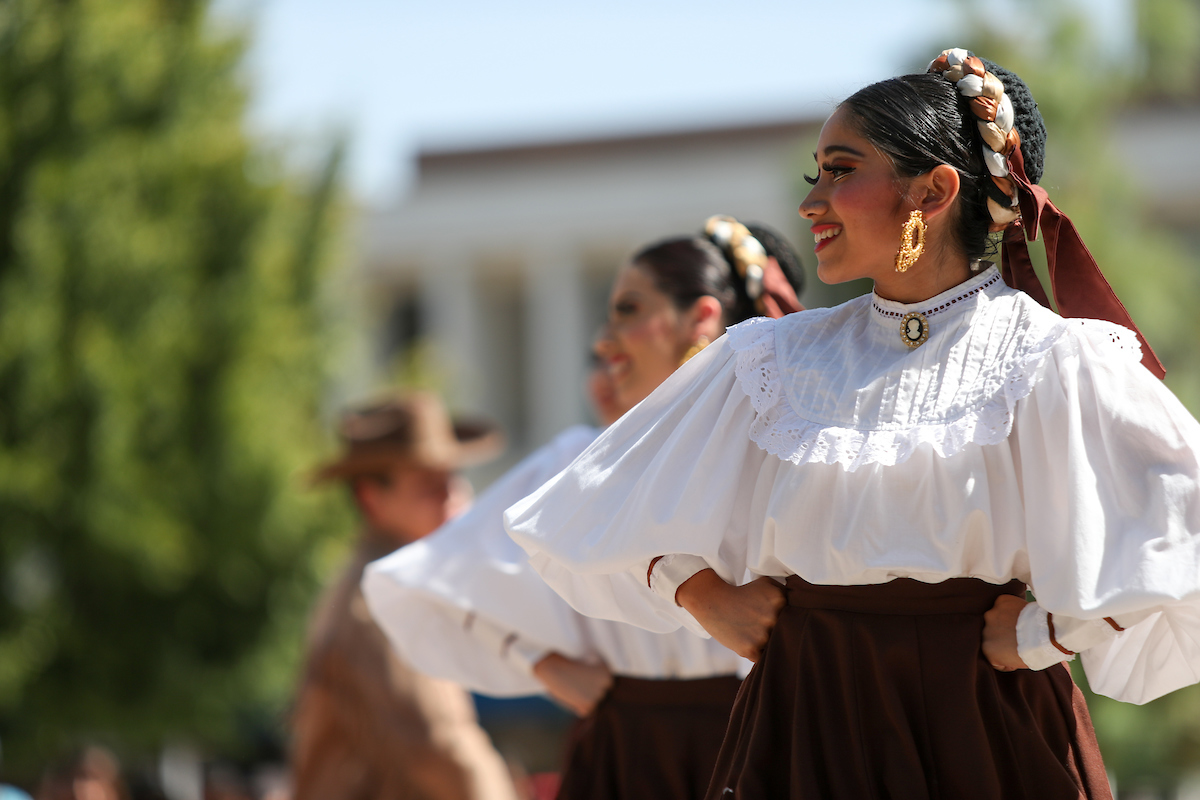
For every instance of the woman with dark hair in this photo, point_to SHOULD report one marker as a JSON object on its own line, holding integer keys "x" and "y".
{"x": 463, "y": 604}
{"x": 907, "y": 465}
{"x": 676, "y": 296}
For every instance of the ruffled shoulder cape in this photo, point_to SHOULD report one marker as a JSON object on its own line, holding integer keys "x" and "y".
{"x": 830, "y": 386}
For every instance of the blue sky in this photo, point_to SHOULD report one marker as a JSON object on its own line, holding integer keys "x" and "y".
{"x": 396, "y": 75}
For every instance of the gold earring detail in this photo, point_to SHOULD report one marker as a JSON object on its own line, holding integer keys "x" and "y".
{"x": 912, "y": 241}
{"x": 696, "y": 347}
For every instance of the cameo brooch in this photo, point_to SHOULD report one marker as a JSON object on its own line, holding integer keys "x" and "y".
{"x": 914, "y": 329}
{"x": 914, "y": 326}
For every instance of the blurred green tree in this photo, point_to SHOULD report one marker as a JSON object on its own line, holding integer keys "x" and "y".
{"x": 1082, "y": 86}
{"x": 160, "y": 372}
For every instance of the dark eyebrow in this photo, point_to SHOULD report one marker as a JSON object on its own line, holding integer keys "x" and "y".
{"x": 840, "y": 148}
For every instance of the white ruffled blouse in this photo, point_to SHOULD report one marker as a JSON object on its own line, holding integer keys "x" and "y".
{"x": 1011, "y": 444}
{"x": 463, "y": 603}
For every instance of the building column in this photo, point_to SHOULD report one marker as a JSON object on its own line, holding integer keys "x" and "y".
{"x": 451, "y": 313}
{"x": 556, "y": 346}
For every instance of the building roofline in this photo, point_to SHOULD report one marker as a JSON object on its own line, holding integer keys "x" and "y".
{"x": 433, "y": 157}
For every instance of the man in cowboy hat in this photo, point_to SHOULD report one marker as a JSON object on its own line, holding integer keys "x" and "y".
{"x": 365, "y": 724}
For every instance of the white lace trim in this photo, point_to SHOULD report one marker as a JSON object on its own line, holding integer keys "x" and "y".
{"x": 783, "y": 433}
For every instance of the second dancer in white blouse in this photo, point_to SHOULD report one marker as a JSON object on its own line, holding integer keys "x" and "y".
{"x": 464, "y": 604}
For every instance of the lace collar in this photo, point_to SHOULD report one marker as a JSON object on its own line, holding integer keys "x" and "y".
{"x": 839, "y": 386}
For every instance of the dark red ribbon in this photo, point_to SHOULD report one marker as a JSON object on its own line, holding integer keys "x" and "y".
{"x": 1080, "y": 288}
{"x": 778, "y": 298}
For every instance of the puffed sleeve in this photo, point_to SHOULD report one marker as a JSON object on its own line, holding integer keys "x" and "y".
{"x": 675, "y": 475}
{"x": 464, "y": 604}
{"x": 1109, "y": 472}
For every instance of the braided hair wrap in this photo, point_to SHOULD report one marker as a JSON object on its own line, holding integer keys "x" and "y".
{"x": 763, "y": 280}
{"x": 1013, "y": 136}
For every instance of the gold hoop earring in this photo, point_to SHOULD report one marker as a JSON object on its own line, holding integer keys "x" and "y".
{"x": 912, "y": 241}
{"x": 696, "y": 347}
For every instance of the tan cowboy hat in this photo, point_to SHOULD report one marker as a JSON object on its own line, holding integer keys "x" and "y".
{"x": 413, "y": 429}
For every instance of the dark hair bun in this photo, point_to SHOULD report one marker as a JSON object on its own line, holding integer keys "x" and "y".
{"x": 1026, "y": 119}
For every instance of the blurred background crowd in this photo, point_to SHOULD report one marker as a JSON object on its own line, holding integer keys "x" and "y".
{"x": 219, "y": 224}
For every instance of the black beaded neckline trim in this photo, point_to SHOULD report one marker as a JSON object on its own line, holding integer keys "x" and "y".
{"x": 937, "y": 309}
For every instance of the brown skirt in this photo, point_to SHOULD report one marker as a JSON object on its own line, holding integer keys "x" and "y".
{"x": 882, "y": 692}
{"x": 650, "y": 739}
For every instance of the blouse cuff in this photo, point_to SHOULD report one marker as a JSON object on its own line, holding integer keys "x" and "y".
{"x": 524, "y": 654}
{"x": 1045, "y": 639}
{"x": 1033, "y": 639}
{"x": 668, "y": 573}
{"x": 1078, "y": 635}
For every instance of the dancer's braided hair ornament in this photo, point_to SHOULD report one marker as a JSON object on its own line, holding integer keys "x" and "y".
{"x": 778, "y": 247}
{"x": 1013, "y": 136}
{"x": 1026, "y": 118}
{"x": 1001, "y": 129}
{"x": 745, "y": 253}
{"x": 767, "y": 284}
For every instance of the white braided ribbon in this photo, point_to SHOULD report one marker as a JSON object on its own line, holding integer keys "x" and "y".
{"x": 721, "y": 231}
{"x": 970, "y": 85}
{"x": 997, "y": 164}
{"x": 1005, "y": 118}
{"x": 994, "y": 133}
{"x": 993, "y": 137}
{"x": 956, "y": 56}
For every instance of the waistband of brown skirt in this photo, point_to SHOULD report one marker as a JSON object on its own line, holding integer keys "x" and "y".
{"x": 694, "y": 691}
{"x": 903, "y": 596}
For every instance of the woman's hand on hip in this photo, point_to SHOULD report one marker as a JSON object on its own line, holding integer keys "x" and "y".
{"x": 739, "y": 617}
{"x": 578, "y": 685}
{"x": 1000, "y": 633}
